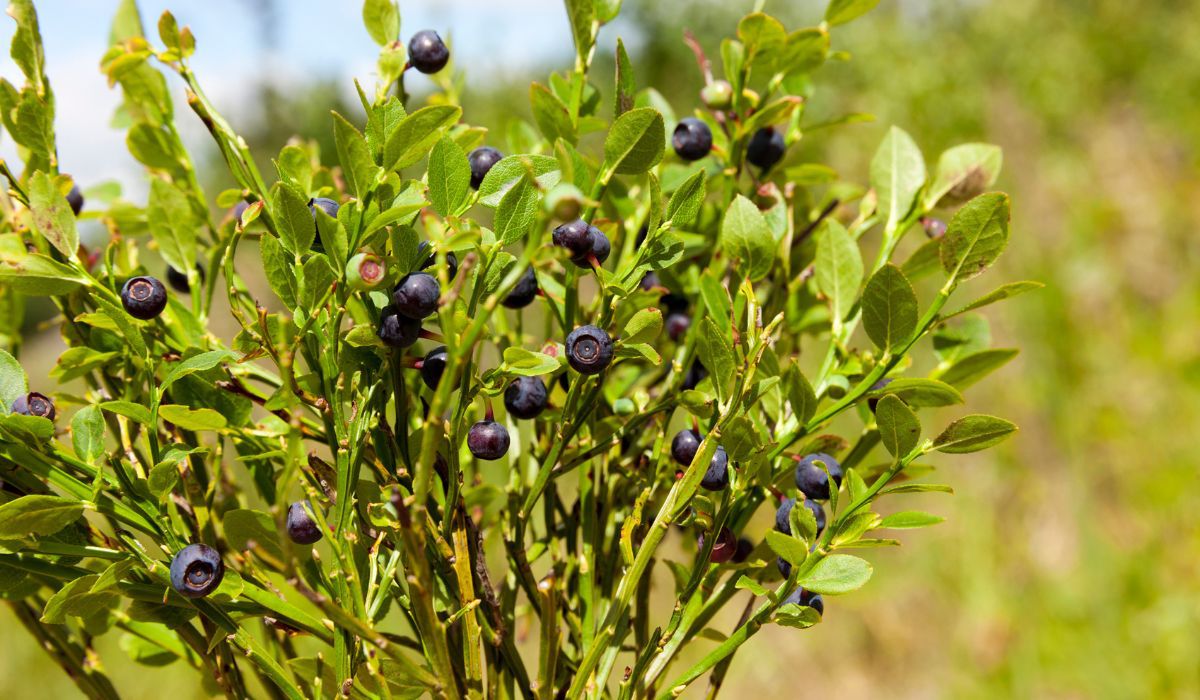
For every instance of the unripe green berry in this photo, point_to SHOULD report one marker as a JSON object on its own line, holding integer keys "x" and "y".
{"x": 717, "y": 94}
{"x": 365, "y": 271}
{"x": 564, "y": 202}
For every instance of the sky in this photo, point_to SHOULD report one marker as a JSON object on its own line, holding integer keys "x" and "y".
{"x": 312, "y": 38}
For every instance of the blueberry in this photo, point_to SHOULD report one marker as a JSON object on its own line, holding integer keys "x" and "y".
{"x": 873, "y": 403}
{"x": 523, "y": 292}
{"x": 427, "y": 52}
{"x": 416, "y": 295}
{"x": 75, "y": 199}
{"x": 785, "y": 569}
{"x": 487, "y": 439}
{"x": 806, "y": 598}
{"x": 784, "y": 513}
{"x": 716, "y": 477}
{"x": 144, "y": 297}
{"x": 300, "y": 525}
{"x": 575, "y": 236}
{"x": 744, "y": 548}
{"x": 364, "y": 271}
{"x": 430, "y": 258}
{"x": 766, "y": 148}
{"x": 811, "y": 478}
{"x": 34, "y": 404}
{"x": 934, "y": 227}
{"x": 695, "y": 374}
{"x": 433, "y": 366}
{"x": 684, "y": 446}
{"x": 526, "y": 397}
{"x": 397, "y": 330}
{"x": 677, "y": 325}
{"x": 649, "y": 281}
{"x": 196, "y": 570}
{"x": 482, "y": 159}
{"x": 724, "y": 548}
{"x": 641, "y": 237}
{"x": 328, "y": 206}
{"x": 692, "y": 139}
{"x": 600, "y": 249}
{"x": 589, "y": 350}
{"x": 675, "y": 303}
{"x": 179, "y": 281}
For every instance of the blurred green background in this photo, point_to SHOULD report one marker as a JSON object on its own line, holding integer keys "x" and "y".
{"x": 1068, "y": 565}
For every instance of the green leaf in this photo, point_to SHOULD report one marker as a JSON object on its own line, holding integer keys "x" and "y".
{"x": 924, "y": 261}
{"x": 278, "y": 267}
{"x": 198, "y": 363}
{"x": 740, "y": 439}
{"x": 899, "y": 428}
{"x": 716, "y": 300}
{"x": 746, "y": 583}
{"x": 517, "y": 212}
{"x": 354, "y": 154}
{"x": 889, "y": 308}
{"x": 34, "y": 273}
{"x": 76, "y": 599}
{"x": 973, "y": 433}
{"x": 716, "y": 353}
{"x": 971, "y": 368}
{"x": 162, "y": 479}
{"x": 13, "y": 383}
{"x": 910, "y": 519}
{"x": 976, "y": 236}
{"x": 37, "y": 515}
{"x": 416, "y": 135}
{"x": 964, "y": 172}
{"x": 623, "y": 93}
{"x": 763, "y": 39}
{"x": 581, "y": 13}
{"x": 916, "y": 488}
{"x": 249, "y": 529}
{"x": 318, "y": 277}
{"x": 805, "y": 51}
{"x": 133, "y": 411}
{"x": 838, "y": 268}
{"x": 87, "y": 434}
{"x": 382, "y": 20}
{"x": 152, "y": 147}
{"x": 527, "y": 363}
{"x": 837, "y": 573}
{"x": 897, "y": 174}
{"x": 796, "y": 616}
{"x": 551, "y": 114}
{"x": 52, "y": 216}
{"x": 191, "y": 418}
{"x": 918, "y": 391}
{"x": 449, "y": 177}
{"x": 842, "y": 11}
{"x": 172, "y": 224}
{"x": 293, "y": 219}
{"x": 686, "y": 201}
{"x": 509, "y": 171}
{"x": 787, "y": 547}
{"x": 1011, "y": 289}
{"x": 644, "y": 327}
{"x": 800, "y": 394}
{"x": 746, "y": 236}
{"x": 636, "y": 142}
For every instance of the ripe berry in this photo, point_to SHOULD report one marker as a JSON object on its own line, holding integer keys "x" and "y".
{"x": 433, "y": 366}
{"x": 807, "y": 598}
{"x": 675, "y": 303}
{"x": 427, "y": 52}
{"x": 766, "y": 148}
{"x": 487, "y": 439}
{"x": 196, "y": 570}
{"x": 811, "y": 478}
{"x": 872, "y": 403}
{"x": 684, "y": 446}
{"x": 589, "y": 350}
{"x": 75, "y": 199}
{"x": 144, "y": 297}
{"x": 300, "y": 525}
{"x": 744, "y": 549}
{"x": 677, "y": 325}
{"x": 717, "y": 94}
{"x": 328, "y": 206}
{"x": 179, "y": 281}
{"x": 482, "y": 159}
{"x": 416, "y": 296}
{"x": 575, "y": 236}
{"x": 397, "y": 330}
{"x": 649, "y": 281}
{"x": 365, "y": 271}
{"x": 692, "y": 139}
{"x": 716, "y": 477}
{"x": 695, "y": 374}
{"x": 785, "y": 569}
{"x": 526, "y": 397}
{"x": 724, "y": 548}
{"x": 34, "y": 404}
{"x": 523, "y": 292}
{"x": 430, "y": 258}
{"x": 784, "y": 513}
{"x": 600, "y": 249}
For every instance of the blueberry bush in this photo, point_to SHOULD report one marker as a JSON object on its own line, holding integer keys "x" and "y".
{"x": 677, "y": 314}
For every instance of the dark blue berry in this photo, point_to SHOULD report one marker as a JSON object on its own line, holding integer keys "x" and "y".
{"x": 526, "y": 397}
{"x": 300, "y": 525}
{"x": 179, "y": 281}
{"x": 677, "y": 325}
{"x": 675, "y": 303}
{"x": 589, "y": 350}
{"x": 523, "y": 292}
{"x": 873, "y": 403}
{"x": 416, "y": 295}
{"x": 600, "y": 249}
{"x": 716, "y": 477}
{"x": 692, "y": 139}
{"x": 75, "y": 199}
{"x": 744, "y": 548}
{"x": 34, "y": 404}
{"x": 144, "y": 297}
{"x": 724, "y": 548}
{"x": 397, "y": 330}
{"x": 433, "y": 366}
{"x": 766, "y": 148}
{"x": 812, "y": 479}
{"x": 482, "y": 159}
{"x": 427, "y": 52}
{"x": 684, "y": 446}
{"x": 649, "y": 281}
{"x": 784, "y": 513}
{"x": 328, "y": 206}
{"x": 429, "y": 258}
{"x": 806, "y": 598}
{"x": 695, "y": 374}
{"x": 575, "y": 236}
{"x": 196, "y": 571}
{"x": 487, "y": 439}
{"x": 785, "y": 569}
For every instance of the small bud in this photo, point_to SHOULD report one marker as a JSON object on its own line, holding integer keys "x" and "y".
{"x": 365, "y": 271}
{"x": 751, "y": 97}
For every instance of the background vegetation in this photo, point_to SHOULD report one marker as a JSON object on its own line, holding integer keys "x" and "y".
{"x": 1067, "y": 565}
